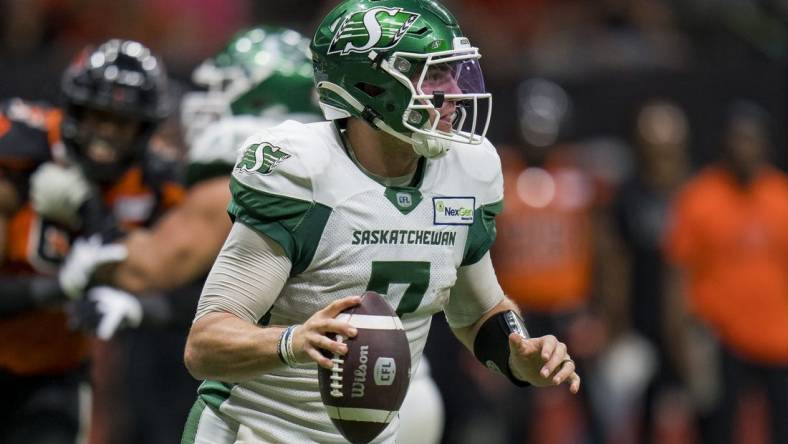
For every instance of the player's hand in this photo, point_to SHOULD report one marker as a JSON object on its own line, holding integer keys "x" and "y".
{"x": 542, "y": 362}
{"x": 310, "y": 337}
{"x": 104, "y": 311}
{"x": 57, "y": 192}
{"x": 85, "y": 257}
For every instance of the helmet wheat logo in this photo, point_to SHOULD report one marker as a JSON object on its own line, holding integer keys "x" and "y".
{"x": 262, "y": 158}
{"x": 376, "y": 28}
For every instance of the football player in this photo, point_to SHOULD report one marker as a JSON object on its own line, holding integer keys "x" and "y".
{"x": 115, "y": 96}
{"x": 261, "y": 78}
{"x": 397, "y": 194}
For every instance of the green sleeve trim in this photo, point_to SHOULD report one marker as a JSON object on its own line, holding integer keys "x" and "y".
{"x": 296, "y": 225}
{"x": 214, "y": 393}
{"x": 308, "y": 235}
{"x": 481, "y": 234}
{"x": 198, "y": 172}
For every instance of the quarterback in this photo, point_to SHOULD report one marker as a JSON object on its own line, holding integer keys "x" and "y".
{"x": 397, "y": 194}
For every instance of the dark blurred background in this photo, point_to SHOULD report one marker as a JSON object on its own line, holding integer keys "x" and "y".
{"x": 610, "y": 55}
{"x": 607, "y": 81}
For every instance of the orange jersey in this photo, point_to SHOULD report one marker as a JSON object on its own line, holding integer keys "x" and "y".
{"x": 40, "y": 342}
{"x": 542, "y": 254}
{"x": 733, "y": 245}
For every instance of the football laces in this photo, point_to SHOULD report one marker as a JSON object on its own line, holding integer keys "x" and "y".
{"x": 336, "y": 371}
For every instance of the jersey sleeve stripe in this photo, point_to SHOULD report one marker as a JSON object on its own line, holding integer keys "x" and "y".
{"x": 481, "y": 234}
{"x": 296, "y": 225}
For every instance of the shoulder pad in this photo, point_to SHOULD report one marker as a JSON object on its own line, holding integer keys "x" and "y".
{"x": 221, "y": 140}
{"x": 481, "y": 164}
{"x": 27, "y": 132}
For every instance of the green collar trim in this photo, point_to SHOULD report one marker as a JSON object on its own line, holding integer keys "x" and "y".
{"x": 405, "y": 199}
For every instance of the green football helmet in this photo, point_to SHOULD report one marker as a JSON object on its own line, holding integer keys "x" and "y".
{"x": 262, "y": 71}
{"x": 405, "y": 67}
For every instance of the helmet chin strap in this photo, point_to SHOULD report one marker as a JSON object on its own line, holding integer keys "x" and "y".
{"x": 423, "y": 145}
{"x": 429, "y": 147}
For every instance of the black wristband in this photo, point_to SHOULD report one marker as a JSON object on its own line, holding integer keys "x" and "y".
{"x": 491, "y": 345}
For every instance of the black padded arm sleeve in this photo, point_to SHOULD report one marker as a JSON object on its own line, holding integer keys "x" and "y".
{"x": 491, "y": 345}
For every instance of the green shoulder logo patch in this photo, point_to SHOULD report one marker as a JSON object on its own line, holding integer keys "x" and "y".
{"x": 376, "y": 28}
{"x": 261, "y": 158}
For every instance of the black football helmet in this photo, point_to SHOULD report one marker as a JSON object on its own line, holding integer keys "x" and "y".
{"x": 122, "y": 80}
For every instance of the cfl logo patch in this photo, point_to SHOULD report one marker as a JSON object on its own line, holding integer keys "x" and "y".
{"x": 404, "y": 200}
{"x": 385, "y": 371}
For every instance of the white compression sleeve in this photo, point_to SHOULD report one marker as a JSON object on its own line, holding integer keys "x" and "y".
{"x": 476, "y": 292}
{"x": 246, "y": 278}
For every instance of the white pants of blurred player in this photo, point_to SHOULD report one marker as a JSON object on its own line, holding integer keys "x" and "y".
{"x": 421, "y": 414}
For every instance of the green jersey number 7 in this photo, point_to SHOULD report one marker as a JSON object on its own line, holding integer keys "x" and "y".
{"x": 416, "y": 274}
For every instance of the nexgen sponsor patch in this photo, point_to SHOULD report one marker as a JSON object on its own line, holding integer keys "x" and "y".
{"x": 453, "y": 210}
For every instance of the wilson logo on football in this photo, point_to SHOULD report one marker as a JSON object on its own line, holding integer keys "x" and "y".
{"x": 376, "y": 28}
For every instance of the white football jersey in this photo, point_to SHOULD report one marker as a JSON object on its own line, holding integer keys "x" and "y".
{"x": 346, "y": 233}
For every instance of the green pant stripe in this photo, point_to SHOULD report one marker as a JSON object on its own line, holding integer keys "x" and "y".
{"x": 192, "y": 422}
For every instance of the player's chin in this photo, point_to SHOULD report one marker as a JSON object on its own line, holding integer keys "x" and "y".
{"x": 444, "y": 126}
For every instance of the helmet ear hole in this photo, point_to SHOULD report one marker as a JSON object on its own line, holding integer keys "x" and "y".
{"x": 369, "y": 89}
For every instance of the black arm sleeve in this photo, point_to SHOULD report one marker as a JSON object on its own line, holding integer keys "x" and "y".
{"x": 26, "y": 293}
{"x": 491, "y": 345}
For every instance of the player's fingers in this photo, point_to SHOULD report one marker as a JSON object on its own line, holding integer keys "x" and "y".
{"x": 549, "y": 342}
{"x": 336, "y": 326}
{"x": 556, "y": 359}
{"x": 319, "y": 358}
{"x": 522, "y": 346}
{"x": 574, "y": 383}
{"x": 565, "y": 370}
{"x": 108, "y": 325}
{"x": 334, "y": 308}
{"x": 326, "y": 343}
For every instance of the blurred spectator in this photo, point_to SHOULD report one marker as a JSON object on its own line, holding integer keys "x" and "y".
{"x": 730, "y": 244}
{"x": 661, "y": 134}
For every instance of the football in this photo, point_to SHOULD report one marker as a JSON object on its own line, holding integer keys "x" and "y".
{"x": 365, "y": 389}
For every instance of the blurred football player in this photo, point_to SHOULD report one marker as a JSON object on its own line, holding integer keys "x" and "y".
{"x": 115, "y": 96}
{"x": 397, "y": 194}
